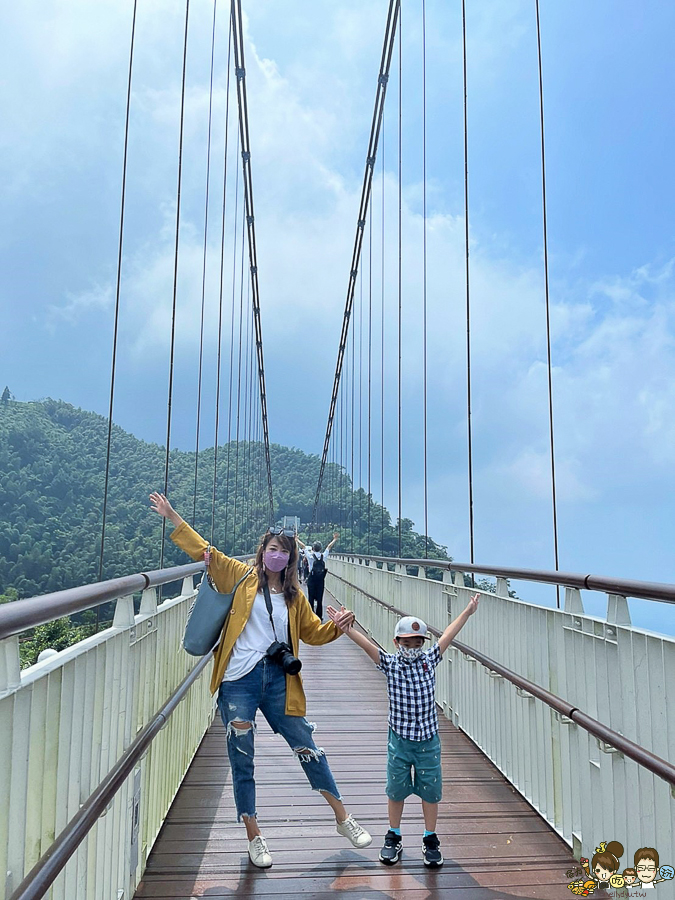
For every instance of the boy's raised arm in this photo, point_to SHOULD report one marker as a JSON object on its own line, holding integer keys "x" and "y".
{"x": 344, "y": 621}
{"x": 457, "y": 624}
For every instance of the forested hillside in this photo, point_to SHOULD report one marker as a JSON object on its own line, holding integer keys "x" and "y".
{"x": 52, "y": 469}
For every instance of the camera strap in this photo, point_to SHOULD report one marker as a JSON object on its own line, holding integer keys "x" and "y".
{"x": 268, "y": 604}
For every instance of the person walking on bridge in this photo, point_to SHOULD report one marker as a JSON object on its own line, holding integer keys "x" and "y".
{"x": 316, "y": 579}
{"x": 250, "y": 674}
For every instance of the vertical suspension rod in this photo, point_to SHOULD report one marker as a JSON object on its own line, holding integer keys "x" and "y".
{"x": 117, "y": 302}
{"x": 240, "y": 70}
{"x": 206, "y": 227}
{"x": 468, "y": 292}
{"x": 400, "y": 281}
{"x": 220, "y": 292}
{"x": 424, "y": 313}
{"x": 175, "y": 278}
{"x": 383, "y": 78}
{"x": 548, "y": 312}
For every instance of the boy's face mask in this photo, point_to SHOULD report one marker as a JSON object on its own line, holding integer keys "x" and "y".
{"x": 410, "y": 653}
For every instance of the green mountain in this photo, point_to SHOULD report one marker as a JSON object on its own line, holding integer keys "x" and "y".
{"x": 52, "y": 473}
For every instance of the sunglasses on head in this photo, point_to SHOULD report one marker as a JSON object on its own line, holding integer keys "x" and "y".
{"x": 277, "y": 529}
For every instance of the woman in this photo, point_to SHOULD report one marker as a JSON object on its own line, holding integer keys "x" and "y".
{"x": 247, "y": 678}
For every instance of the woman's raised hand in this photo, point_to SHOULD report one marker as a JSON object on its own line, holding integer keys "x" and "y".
{"x": 343, "y": 618}
{"x": 162, "y": 507}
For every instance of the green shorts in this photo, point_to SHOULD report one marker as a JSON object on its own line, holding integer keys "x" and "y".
{"x": 414, "y": 767}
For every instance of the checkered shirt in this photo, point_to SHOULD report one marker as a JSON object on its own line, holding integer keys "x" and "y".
{"x": 411, "y": 687}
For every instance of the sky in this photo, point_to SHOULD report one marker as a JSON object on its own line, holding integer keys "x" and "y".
{"x": 311, "y": 71}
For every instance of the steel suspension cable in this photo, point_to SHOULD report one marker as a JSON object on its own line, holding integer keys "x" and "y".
{"x": 206, "y": 225}
{"x": 117, "y": 302}
{"x": 383, "y": 77}
{"x": 343, "y": 451}
{"x": 360, "y": 395}
{"x": 240, "y": 71}
{"x": 370, "y": 363}
{"x": 235, "y": 237}
{"x": 175, "y": 278}
{"x": 220, "y": 294}
{"x": 245, "y": 485}
{"x": 468, "y": 293}
{"x": 400, "y": 271}
{"x": 251, "y": 381}
{"x": 236, "y": 440}
{"x": 548, "y": 313}
{"x": 424, "y": 255}
{"x": 353, "y": 379}
{"x": 382, "y": 353}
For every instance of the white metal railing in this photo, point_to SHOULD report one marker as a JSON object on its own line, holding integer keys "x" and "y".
{"x": 65, "y": 723}
{"x": 620, "y": 675}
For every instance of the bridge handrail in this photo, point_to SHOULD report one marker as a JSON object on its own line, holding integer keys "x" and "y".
{"x": 640, "y": 755}
{"x": 624, "y": 587}
{"x": 40, "y": 878}
{"x": 20, "y": 615}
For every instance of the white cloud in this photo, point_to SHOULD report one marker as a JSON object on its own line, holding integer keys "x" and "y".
{"x": 75, "y": 306}
{"x": 310, "y": 105}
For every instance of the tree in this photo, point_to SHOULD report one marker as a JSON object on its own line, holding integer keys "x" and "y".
{"x": 7, "y": 395}
{"x": 52, "y": 470}
{"x": 55, "y": 635}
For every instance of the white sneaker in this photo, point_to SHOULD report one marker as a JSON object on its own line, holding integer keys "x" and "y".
{"x": 356, "y": 835}
{"x": 258, "y": 852}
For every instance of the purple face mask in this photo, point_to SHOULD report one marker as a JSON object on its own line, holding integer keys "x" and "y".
{"x": 276, "y": 560}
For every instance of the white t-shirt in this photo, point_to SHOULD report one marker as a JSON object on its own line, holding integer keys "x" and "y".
{"x": 252, "y": 643}
{"x": 314, "y": 554}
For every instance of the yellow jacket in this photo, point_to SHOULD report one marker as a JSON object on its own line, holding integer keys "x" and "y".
{"x": 303, "y": 623}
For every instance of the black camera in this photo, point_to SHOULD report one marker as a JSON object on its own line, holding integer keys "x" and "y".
{"x": 280, "y": 653}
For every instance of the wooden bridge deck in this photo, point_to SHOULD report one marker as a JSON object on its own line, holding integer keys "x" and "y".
{"x": 495, "y": 845}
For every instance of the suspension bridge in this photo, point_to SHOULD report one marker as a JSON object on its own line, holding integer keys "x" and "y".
{"x": 556, "y": 729}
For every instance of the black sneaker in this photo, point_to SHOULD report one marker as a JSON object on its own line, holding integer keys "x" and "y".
{"x": 431, "y": 851}
{"x": 391, "y": 849}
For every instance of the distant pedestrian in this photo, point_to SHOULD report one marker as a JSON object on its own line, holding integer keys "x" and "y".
{"x": 316, "y": 579}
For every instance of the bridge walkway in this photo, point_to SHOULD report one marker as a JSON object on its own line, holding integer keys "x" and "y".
{"x": 495, "y": 845}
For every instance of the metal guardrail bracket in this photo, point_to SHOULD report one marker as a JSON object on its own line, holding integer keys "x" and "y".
{"x": 577, "y": 847}
{"x": 607, "y": 748}
{"x": 142, "y": 629}
{"x": 526, "y": 695}
{"x": 468, "y": 658}
{"x": 494, "y": 674}
{"x": 563, "y": 719}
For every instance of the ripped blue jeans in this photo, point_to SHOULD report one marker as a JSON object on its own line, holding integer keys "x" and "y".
{"x": 264, "y": 689}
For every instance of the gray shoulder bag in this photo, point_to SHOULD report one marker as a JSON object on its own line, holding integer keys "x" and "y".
{"x": 207, "y": 616}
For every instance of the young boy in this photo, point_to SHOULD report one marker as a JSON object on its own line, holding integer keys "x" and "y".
{"x": 414, "y": 747}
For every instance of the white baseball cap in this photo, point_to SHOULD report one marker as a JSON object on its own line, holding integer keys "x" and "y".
{"x": 410, "y": 626}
